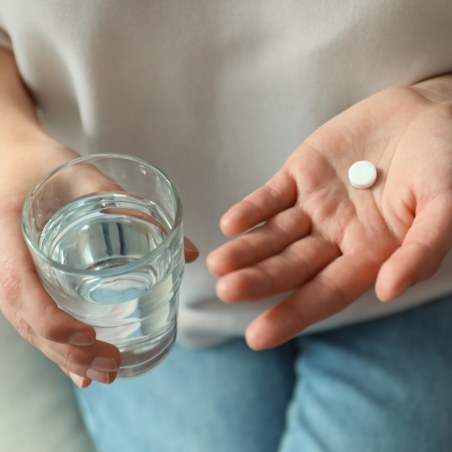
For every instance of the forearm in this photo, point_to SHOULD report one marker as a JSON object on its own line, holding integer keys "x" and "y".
{"x": 18, "y": 115}
{"x": 26, "y": 150}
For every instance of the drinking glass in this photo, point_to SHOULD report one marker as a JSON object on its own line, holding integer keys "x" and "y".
{"x": 105, "y": 234}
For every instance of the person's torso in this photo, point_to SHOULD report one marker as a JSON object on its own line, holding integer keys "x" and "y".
{"x": 219, "y": 94}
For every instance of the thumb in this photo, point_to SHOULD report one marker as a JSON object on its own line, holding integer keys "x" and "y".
{"x": 426, "y": 244}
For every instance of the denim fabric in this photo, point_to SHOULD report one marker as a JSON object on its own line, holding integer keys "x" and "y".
{"x": 380, "y": 386}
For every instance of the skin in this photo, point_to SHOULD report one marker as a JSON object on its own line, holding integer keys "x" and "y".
{"x": 317, "y": 231}
{"x": 308, "y": 232}
{"x": 27, "y": 152}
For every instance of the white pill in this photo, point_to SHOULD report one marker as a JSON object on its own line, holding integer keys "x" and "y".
{"x": 362, "y": 174}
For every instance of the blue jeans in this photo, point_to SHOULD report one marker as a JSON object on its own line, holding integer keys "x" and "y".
{"x": 380, "y": 386}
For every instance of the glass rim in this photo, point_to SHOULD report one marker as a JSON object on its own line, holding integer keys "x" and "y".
{"x": 121, "y": 268}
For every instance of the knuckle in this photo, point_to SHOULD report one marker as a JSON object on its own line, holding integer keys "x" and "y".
{"x": 26, "y": 331}
{"x": 11, "y": 303}
{"x": 272, "y": 195}
{"x": 298, "y": 316}
{"x": 48, "y": 328}
{"x": 73, "y": 357}
{"x": 10, "y": 288}
{"x": 332, "y": 291}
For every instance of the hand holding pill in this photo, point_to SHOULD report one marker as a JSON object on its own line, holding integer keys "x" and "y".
{"x": 324, "y": 229}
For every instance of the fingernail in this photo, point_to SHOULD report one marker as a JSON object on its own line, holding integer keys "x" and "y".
{"x": 101, "y": 377}
{"x": 191, "y": 250}
{"x": 81, "y": 382}
{"x": 81, "y": 339}
{"x": 104, "y": 364}
{"x": 190, "y": 247}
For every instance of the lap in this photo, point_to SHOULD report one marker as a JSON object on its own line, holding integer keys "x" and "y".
{"x": 382, "y": 385}
{"x": 222, "y": 399}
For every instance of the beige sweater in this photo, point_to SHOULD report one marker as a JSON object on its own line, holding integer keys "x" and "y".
{"x": 218, "y": 94}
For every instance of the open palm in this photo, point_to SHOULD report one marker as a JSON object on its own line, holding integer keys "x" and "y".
{"x": 312, "y": 236}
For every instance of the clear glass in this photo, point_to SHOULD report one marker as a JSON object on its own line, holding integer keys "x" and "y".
{"x": 105, "y": 234}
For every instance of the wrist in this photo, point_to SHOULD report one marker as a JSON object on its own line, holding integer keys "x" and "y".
{"x": 27, "y": 151}
{"x": 26, "y": 158}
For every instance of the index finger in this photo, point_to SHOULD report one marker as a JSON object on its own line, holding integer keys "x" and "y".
{"x": 278, "y": 194}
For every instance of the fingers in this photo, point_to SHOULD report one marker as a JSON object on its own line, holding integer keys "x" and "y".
{"x": 282, "y": 272}
{"x": 63, "y": 339}
{"x": 190, "y": 250}
{"x": 27, "y": 300}
{"x": 425, "y": 246}
{"x": 278, "y": 194}
{"x": 66, "y": 341}
{"x": 334, "y": 288}
{"x": 24, "y": 300}
{"x": 81, "y": 382}
{"x": 99, "y": 362}
{"x": 261, "y": 243}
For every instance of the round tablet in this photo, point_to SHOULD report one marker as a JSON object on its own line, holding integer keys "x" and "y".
{"x": 362, "y": 174}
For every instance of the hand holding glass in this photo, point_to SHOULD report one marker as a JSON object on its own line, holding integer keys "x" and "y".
{"x": 105, "y": 234}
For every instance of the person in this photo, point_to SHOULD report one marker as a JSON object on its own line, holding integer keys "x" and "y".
{"x": 335, "y": 331}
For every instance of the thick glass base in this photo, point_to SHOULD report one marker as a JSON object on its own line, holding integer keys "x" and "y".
{"x": 137, "y": 360}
